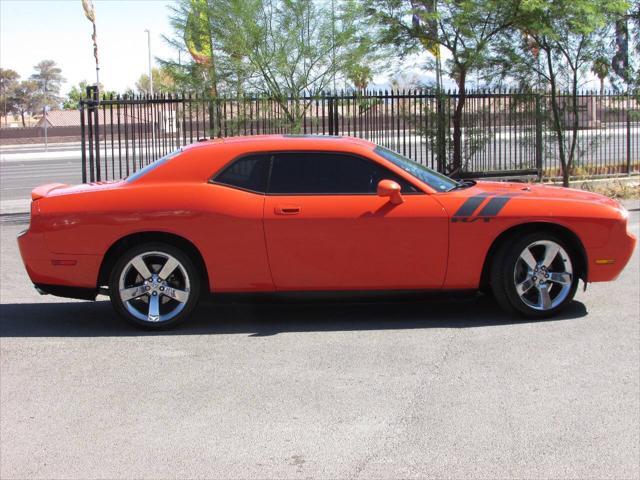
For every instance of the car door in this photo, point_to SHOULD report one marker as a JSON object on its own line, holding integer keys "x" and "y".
{"x": 327, "y": 229}
{"x": 233, "y": 234}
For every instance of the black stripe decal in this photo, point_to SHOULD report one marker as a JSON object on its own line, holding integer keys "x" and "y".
{"x": 468, "y": 207}
{"x": 493, "y": 207}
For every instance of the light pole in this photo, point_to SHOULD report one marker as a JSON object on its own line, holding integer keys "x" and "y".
{"x": 149, "y": 52}
{"x": 90, "y": 13}
{"x": 44, "y": 108}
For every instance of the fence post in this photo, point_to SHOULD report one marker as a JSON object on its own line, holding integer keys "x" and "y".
{"x": 89, "y": 103}
{"x": 331, "y": 106}
{"x": 92, "y": 92}
{"x": 629, "y": 140}
{"x": 336, "y": 120}
{"x": 83, "y": 144}
{"x": 441, "y": 138}
{"x": 539, "y": 137}
{"x": 212, "y": 128}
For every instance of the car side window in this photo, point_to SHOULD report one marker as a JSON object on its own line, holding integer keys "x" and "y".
{"x": 246, "y": 173}
{"x": 328, "y": 173}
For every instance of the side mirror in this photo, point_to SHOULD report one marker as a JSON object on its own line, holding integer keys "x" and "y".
{"x": 389, "y": 188}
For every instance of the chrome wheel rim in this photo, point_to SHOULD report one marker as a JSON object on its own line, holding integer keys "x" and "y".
{"x": 154, "y": 287}
{"x": 543, "y": 275}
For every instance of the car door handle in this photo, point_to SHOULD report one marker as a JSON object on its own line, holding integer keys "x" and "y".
{"x": 287, "y": 210}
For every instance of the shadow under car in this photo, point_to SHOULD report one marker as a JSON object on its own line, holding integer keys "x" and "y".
{"x": 269, "y": 316}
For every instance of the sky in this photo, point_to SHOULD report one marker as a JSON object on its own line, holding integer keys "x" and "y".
{"x": 34, "y": 30}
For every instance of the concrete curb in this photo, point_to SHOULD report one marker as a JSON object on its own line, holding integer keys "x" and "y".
{"x": 10, "y": 207}
{"x": 31, "y": 146}
{"x": 52, "y": 154}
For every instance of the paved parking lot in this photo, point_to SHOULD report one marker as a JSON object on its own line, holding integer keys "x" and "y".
{"x": 407, "y": 388}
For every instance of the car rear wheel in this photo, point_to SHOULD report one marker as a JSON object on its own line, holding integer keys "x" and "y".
{"x": 154, "y": 285}
{"x": 534, "y": 275}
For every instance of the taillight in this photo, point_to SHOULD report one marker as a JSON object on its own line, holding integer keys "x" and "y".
{"x": 35, "y": 211}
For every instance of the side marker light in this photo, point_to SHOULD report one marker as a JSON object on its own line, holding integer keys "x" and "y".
{"x": 64, "y": 262}
{"x": 605, "y": 261}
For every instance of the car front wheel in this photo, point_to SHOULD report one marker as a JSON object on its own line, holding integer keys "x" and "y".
{"x": 534, "y": 275}
{"x": 154, "y": 285}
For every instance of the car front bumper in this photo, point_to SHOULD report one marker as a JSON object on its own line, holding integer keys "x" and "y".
{"x": 607, "y": 262}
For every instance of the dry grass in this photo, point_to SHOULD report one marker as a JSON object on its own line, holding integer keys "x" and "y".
{"x": 615, "y": 189}
{"x": 590, "y": 171}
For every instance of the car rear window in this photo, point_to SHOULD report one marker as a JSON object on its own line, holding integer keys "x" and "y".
{"x": 247, "y": 173}
{"x": 152, "y": 166}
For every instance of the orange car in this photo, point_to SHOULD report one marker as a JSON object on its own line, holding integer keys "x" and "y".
{"x": 302, "y": 213}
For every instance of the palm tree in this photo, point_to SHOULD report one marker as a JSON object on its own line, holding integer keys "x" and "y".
{"x": 48, "y": 76}
{"x": 600, "y": 69}
{"x": 360, "y": 76}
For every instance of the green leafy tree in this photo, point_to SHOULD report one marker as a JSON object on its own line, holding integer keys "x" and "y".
{"x": 8, "y": 82}
{"x": 205, "y": 67}
{"x": 74, "y": 95}
{"x": 625, "y": 60}
{"x": 163, "y": 81}
{"x": 78, "y": 92}
{"x": 464, "y": 28}
{"x": 634, "y": 67}
{"x": 293, "y": 50}
{"x": 48, "y": 77}
{"x": 283, "y": 49}
{"x": 26, "y": 99}
{"x": 557, "y": 42}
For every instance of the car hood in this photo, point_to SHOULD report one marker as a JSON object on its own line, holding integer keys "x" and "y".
{"x": 539, "y": 192}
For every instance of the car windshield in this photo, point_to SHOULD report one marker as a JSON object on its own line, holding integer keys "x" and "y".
{"x": 435, "y": 180}
{"x": 143, "y": 171}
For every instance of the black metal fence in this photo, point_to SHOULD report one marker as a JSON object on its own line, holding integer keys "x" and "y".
{"x": 501, "y": 133}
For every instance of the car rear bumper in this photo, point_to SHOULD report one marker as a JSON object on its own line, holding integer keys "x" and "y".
{"x": 48, "y": 269}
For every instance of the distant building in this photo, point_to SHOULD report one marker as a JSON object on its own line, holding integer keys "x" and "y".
{"x": 60, "y": 118}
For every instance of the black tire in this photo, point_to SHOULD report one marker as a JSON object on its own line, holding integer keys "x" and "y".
{"x": 175, "y": 297}
{"x": 509, "y": 269}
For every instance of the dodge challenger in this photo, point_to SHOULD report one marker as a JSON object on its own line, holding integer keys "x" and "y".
{"x": 307, "y": 214}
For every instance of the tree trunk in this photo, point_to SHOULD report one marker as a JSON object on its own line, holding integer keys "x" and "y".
{"x": 557, "y": 123}
{"x": 213, "y": 77}
{"x": 457, "y": 124}
{"x": 574, "y": 129}
{"x": 23, "y": 122}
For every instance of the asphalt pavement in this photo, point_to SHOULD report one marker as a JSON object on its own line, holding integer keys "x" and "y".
{"x": 446, "y": 388}
{"x": 24, "y": 167}
{"x": 17, "y": 179}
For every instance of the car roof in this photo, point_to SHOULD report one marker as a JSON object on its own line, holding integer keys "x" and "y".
{"x": 324, "y": 142}
{"x": 202, "y": 159}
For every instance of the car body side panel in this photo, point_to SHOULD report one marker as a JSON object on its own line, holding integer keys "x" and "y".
{"x": 353, "y": 242}
{"x": 224, "y": 224}
{"x": 588, "y": 216}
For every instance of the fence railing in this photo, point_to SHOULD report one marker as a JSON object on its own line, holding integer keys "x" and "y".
{"x": 503, "y": 133}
